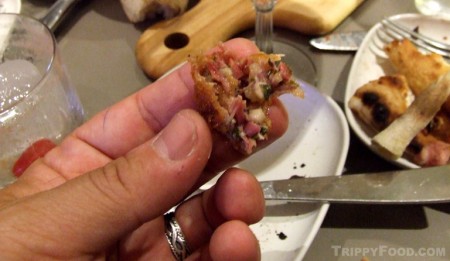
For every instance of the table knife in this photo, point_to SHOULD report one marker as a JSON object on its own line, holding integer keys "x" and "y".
{"x": 416, "y": 186}
{"x": 349, "y": 41}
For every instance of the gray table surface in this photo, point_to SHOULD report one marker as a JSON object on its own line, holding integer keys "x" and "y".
{"x": 97, "y": 44}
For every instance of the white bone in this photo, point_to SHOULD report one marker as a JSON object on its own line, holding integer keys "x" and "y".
{"x": 393, "y": 140}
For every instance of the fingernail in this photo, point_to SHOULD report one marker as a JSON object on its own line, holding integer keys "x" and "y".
{"x": 177, "y": 140}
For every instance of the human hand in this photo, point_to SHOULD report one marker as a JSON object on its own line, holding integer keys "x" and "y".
{"x": 103, "y": 191}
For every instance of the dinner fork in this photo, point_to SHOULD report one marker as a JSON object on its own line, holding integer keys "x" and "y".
{"x": 393, "y": 30}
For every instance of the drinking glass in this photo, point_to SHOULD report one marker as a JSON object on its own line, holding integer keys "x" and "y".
{"x": 294, "y": 57}
{"x": 37, "y": 99}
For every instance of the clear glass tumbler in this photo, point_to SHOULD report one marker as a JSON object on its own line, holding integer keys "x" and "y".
{"x": 37, "y": 99}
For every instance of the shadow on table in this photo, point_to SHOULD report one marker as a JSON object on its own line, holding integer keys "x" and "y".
{"x": 380, "y": 216}
{"x": 444, "y": 208}
{"x": 376, "y": 216}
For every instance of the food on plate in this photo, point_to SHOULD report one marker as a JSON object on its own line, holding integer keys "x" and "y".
{"x": 234, "y": 95}
{"x": 427, "y": 150}
{"x": 380, "y": 102}
{"x": 139, "y": 10}
{"x": 394, "y": 139}
{"x": 421, "y": 70}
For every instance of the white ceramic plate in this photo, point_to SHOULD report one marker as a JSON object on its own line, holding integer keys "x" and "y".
{"x": 315, "y": 144}
{"x": 371, "y": 62}
{"x": 10, "y": 6}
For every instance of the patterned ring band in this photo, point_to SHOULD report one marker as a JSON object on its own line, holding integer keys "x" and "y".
{"x": 175, "y": 237}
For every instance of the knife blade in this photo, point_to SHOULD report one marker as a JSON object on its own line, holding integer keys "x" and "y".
{"x": 348, "y": 41}
{"x": 417, "y": 186}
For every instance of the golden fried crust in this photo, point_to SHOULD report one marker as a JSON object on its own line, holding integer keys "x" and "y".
{"x": 418, "y": 143}
{"x": 420, "y": 70}
{"x": 207, "y": 96}
{"x": 439, "y": 127}
{"x": 381, "y": 101}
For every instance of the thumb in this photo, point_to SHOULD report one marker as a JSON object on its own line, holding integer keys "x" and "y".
{"x": 108, "y": 203}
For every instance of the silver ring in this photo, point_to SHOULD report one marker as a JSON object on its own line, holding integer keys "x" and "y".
{"x": 175, "y": 237}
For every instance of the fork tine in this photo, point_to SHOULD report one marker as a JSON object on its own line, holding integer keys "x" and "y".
{"x": 412, "y": 33}
{"x": 398, "y": 34}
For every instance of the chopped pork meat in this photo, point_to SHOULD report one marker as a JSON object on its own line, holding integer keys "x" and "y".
{"x": 234, "y": 94}
{"x": 433, "y": 154}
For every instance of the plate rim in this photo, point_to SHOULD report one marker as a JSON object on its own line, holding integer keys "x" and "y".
{"x": 344, "y": 139}
{"x": 339, "y": 169}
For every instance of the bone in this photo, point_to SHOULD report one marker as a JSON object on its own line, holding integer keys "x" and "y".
{"x": 393, "y": 140}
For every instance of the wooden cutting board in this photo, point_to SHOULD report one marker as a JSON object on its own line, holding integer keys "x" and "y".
{"x": 168, "y": 43}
